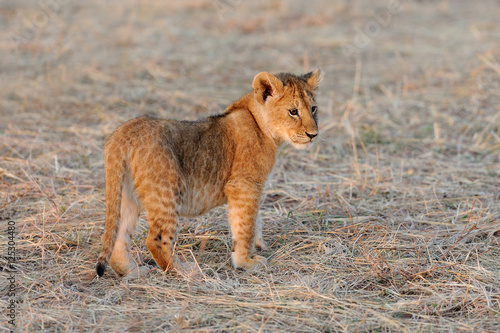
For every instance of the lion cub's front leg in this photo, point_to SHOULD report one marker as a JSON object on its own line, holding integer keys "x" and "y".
{"x": 243, "y": 203}
{"x": 259, "y": 241}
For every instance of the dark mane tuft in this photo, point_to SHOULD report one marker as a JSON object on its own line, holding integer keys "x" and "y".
{"x": 300, "y": 81}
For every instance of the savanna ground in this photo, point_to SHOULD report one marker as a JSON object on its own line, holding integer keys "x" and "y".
{"x": 389, "y": 223}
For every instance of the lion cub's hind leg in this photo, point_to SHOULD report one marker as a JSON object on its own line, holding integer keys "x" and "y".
{"x": 160, "y": 206}
{"x": 161, "y": 236}
{"x": 121, "y": 260}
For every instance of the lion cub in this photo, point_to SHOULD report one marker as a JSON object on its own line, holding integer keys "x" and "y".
{"x": 182, "y": 168}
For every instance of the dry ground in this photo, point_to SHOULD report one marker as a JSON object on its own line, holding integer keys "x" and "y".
{"x": 390, "y": 223}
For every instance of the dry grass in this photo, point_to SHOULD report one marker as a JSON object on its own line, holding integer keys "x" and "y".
{"x": 390, "y": 223}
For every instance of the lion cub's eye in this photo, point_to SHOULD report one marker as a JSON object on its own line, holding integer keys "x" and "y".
{"x": 314, "y": 109}
{"x": 293, "y": 112}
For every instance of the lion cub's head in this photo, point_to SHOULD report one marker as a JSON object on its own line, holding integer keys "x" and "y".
{"x": 288, "y": 106}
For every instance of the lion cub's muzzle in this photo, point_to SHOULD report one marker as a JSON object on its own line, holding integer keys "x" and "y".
{"x": 311, "y": 136}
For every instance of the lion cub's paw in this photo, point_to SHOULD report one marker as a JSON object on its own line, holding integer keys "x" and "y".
{"x": 136, "y": 273}
{"x": 261, "y": 244}
{"x": 248, "y": 262}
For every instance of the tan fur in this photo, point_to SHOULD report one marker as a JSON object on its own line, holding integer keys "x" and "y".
{"x": 176, "y": 168}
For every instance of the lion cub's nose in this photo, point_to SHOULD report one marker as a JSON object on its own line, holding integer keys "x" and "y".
{"x": 312, "y": 136}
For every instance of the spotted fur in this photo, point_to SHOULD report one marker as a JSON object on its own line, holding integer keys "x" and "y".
{"x": 178, "y": 168}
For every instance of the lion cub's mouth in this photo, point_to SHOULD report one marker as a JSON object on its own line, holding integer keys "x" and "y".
{"x": 301, "y": 141}
{"x": 304, "y": 141}
{"x": 301, "y": 144}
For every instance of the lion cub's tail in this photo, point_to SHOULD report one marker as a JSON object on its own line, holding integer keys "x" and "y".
{"x": 115, "y": 170}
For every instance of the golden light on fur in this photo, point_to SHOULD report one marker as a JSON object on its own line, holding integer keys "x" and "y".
{"x": 179, "y": 168}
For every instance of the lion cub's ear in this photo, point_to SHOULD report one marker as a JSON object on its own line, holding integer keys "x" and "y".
{"x": 314, "y": 78}
{"x": 266, "y": 85}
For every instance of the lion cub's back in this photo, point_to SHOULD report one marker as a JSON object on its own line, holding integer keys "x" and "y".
{"x": 195, "y": 156}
